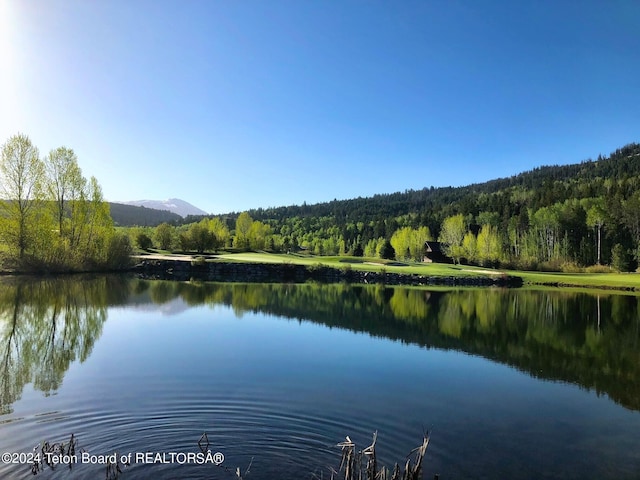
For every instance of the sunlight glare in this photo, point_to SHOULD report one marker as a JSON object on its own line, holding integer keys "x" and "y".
{"x": 8, "y": 65}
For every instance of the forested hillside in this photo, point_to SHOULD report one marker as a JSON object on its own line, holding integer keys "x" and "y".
{"x": 551, "y": 217}
{"x": 128, "y": 215}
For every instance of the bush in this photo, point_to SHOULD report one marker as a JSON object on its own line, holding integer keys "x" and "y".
{"x": 519, "y": 264}
{"x": 550, "y": 266}
{"x": 571, "y": 267}
{"x": 119, "y": 252}
{"x": 346, "y": 267}
{"x": 598, "y": 269}
{"x": 198, "y": 261}
{"x": 316, "y": 267}
{"x": 144, "y": 241}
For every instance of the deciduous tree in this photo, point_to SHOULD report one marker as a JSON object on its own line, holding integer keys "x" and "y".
{"x": 595, "y": 218}
{"x": 243, "y": 227}
{"x": 164, "y": 235}
{"x": 452, "y": 233}
{"x": 220, "y": 230}
{"x": 202, "y": 239}
{"x": 488, "y": 245}
{"x": 21, "y": 189}
{"x": 65, "y": 182}
{"x": 469, "y": 247}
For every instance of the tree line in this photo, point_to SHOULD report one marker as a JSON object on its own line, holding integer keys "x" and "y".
{"x": 51, "y": 216}
{"x": 551, "y": 218}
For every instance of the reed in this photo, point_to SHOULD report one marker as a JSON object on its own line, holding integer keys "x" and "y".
{"x": 363, "y": 464}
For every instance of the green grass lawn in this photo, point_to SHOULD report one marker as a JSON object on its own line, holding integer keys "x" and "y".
{"x": 631, "y": 280}
{"x": 615, "y": 280}
{"x": 356, "y": 263}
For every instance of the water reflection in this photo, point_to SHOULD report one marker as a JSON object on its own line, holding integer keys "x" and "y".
{"x": 589, "y": 340}
{"x": 45, "y": 325}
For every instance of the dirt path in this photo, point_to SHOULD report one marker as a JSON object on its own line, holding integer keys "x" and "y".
{"x": 164, "y": 256}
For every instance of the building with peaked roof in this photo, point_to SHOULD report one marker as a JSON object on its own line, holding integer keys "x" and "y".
{"x": 433, "y": 253}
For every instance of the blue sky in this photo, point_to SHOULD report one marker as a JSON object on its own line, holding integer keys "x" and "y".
{"x": 232, "y": 105}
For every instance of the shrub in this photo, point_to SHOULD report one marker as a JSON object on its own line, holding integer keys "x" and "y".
{"x": 598, "y": 269}
{"x": 316, "y": 267}
{"x": 119, "y": 252}
{"x": 550, "y": 266}
{"x": 346, "y": 267}
{"x": 144, "y": 241}
{"x": 519, "y": 264}
{"x": 198, "y": 261}
{"x": 571, "y": 267}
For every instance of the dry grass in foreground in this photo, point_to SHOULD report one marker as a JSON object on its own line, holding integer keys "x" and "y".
{"x": 363, "y": 464}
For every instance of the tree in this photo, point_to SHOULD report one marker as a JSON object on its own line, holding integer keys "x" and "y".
{"x": 119, "y": 251}
{"x": 401, "y": 240}
{"x": 631, "y": 217}
{"x": 386, "y": 250}
{"x": 65, "y": 182}
{"x": 488, "y": 218}
{"x": 469, "y": 247}
{"x": 330, "y": 246}
{"x": 258, "y": 235}
{"x": 243, "y": 227}
{"x": 408, "y": 243}
{"x": 184, "y": 240}
{"x": 21, "y": 177}
{"x": 144, "y": 241}
{"x": 371, "y": 248}
{"x": 488, "y": 245}
{"x": 546, "y": 223}
{"x": 99, "y": 224}
{"x": 451, "y": 236}
{"x": 201, "y": 238}
{"x": 619, "y": 258}
{"x": 164, "y": 236}
{"x": 220, "y": 230}
{"x": 72, "y": 229}
{"x": 419, "y": 237}
{"x": 595, "y": 219}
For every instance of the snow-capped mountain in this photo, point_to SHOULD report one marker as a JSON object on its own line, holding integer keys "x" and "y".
{"x": 174, "y": 205}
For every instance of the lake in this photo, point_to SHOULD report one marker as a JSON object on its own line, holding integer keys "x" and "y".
{"x": 517, "y": 384}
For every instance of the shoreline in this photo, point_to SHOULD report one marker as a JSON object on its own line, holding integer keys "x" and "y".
{"x": 181, "y": 270}
{"x": 187, "y": 267}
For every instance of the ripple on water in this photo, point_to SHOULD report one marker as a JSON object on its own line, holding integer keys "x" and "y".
{"x": 278, "y": 439}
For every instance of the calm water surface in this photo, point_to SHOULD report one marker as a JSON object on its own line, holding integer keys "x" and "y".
{"x": 512, "y": 383}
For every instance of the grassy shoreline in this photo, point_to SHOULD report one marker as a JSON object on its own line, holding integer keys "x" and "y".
{"x": 606, "y": 281}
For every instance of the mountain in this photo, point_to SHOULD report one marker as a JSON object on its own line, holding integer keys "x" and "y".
{"x": 131, "y": 215}
{"x": 174, "y": 205}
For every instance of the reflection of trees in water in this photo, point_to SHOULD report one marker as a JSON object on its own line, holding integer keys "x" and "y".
{"x": 14, "y": 373}
{"x": 47, "y": 324}
{"x": 410, "y": 305}
{"x": 590, "y": 340}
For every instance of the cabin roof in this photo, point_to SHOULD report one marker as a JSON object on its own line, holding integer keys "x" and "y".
{"x": 433, "y": 247}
